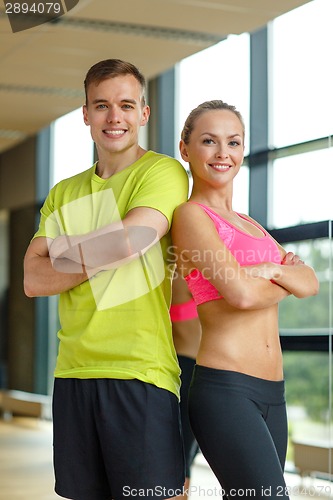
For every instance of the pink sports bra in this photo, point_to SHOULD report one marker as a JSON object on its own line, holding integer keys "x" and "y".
{"x": 184, "y": 311}
{"x": 247, "y": 250}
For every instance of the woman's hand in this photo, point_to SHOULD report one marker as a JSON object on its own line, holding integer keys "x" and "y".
{"x": 291, "y": 259}
{"x": 267, "y": 270}
{"x": 292, "y": 274}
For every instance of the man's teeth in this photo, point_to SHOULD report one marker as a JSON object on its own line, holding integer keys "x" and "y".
{"x": 114, "y": 132}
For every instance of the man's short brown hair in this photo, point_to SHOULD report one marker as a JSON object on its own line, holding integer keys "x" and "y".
{"x": 110, "y": 68}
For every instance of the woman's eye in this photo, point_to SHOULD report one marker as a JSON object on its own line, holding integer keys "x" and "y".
{"x": 234, "y": 143}
{"x": 208, "y": 141}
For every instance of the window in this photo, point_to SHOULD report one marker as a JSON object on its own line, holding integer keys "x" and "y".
{"x": 309, "y": 316}
{"x": 72, "y": 146}
{"x": 301, "y": 87}
{"x": 301, "y": 186}
{"x": 220, "y": 72}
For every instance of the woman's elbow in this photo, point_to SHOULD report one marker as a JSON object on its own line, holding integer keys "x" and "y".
{"x": 316, "y": 287}
{"x": 310, "y": 290}
{"x": 241, "y": 300}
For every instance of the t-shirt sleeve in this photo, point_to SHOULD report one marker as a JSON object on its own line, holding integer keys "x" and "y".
{"x": 48, "y": 223}
{"x": 164, "y": 187}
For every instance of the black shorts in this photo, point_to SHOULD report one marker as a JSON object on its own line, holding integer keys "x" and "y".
{"x": 191, "y": 447}
{"x": 116, "y": 439}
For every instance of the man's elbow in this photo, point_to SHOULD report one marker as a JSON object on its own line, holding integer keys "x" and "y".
{"x": 28, "y": 289}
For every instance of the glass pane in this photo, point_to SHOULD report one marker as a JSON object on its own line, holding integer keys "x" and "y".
{"x": 307, "y": 389}
{"x": 301, "y": 100}
{"x": 309, "y": 316}
{"x": 301, "y": 188}
{"x": 308, "y": 377}
{"x": 72, "y": 146}
{"x": 241, "y": 191}
{"x": 219, "y": 72}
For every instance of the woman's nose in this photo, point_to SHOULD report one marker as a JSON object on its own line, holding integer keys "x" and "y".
{"x": 222, "y": 152}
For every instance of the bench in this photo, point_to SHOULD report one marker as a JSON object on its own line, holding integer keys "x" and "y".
{"x": 313, "y": 457}
{"x": 25, "y": 403}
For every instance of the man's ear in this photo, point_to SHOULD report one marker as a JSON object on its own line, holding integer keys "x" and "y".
{"x": 183, "y": 151}
{"x": 85, "y": 114}
{"x": 145, "y": 115}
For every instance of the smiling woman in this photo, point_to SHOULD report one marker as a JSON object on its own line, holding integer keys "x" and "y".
{"x": 238, "y": 377}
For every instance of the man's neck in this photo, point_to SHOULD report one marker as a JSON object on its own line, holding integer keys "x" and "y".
{"x": 112, "y": 163}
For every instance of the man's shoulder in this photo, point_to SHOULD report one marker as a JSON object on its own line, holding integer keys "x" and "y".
{"x": 152, "y": 158}
{"x": 71, "y": 188}
{"x": 158, "y": 164}
{"x": 76, "y": 179}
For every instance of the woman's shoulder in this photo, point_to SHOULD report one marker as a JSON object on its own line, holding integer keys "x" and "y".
{"x": 188, "y": 210}
{"x": 190, "y": 220}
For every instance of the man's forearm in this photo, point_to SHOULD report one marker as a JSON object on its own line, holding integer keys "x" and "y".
{"x": 102, "y": 252}
{"x": 41, "y": 279}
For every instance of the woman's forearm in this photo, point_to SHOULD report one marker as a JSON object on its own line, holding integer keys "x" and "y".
{"x": 299, "y": 279}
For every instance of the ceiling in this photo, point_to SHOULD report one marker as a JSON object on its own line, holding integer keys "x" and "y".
{"x": 42, "y": 68}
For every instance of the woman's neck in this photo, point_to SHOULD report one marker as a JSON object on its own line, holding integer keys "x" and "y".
{"x": 221, "y": 199}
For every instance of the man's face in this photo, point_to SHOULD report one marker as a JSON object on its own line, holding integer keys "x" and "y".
{"x": 115, "y": 113}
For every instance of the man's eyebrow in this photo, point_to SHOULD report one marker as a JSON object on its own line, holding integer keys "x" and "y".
{"x": 100, "y": 100}
{"x": 131, "y": 101}
{"x": 96, "y": 101}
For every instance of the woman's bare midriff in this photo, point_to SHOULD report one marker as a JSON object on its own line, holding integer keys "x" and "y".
{"x": 186, "y": 337}
{"x": 246, "y": 341}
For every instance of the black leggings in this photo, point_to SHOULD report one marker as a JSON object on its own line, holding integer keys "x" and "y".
{"x": 240, "y": 424}
{"x": 190, "y": 445}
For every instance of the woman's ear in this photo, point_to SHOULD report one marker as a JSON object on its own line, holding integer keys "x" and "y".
{"x": 183, "y": 151}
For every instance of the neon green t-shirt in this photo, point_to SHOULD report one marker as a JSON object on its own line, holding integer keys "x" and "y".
{"x": 117, "y": 324}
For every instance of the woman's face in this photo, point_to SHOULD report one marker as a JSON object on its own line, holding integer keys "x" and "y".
{"x": 216, "y": 147}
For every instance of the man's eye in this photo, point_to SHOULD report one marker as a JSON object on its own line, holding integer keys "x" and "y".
{"x": 101, "y": 106}
{"x": 128, "y": 106}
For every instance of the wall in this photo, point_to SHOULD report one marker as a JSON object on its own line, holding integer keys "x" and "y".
{"x": 17, "y": 175}
{"x": 17, "y": 205}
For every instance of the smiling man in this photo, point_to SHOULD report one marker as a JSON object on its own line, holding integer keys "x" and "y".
{"x": 102, "y": 244}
